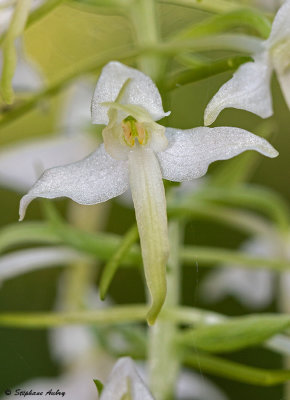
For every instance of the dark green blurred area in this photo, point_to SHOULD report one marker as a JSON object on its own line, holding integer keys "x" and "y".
{"x": 56, "y": 43}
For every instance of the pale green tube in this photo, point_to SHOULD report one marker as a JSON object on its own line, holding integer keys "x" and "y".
{"x": 150, "y": 208}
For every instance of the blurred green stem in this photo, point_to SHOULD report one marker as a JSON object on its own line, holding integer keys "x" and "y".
{"x": 221, "y": 23}
{"x": 114, "y": 262}
{"x": 163, "y": 360}
{"x": 143, "y": 18}
{"x": 15, "y": 29}
{"x": 79, "y": 277}
{"x": 214, "y": 6}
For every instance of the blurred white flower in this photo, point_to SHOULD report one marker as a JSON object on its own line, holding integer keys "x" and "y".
{"x": 139, "y": 152}
{"x": 124, "y": 380}
{"x": 22, "y": 163}
{"x": 252, "y": 287}
{"x": 249, "y": 89}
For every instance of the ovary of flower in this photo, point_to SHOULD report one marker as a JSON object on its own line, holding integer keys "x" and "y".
{"x": 138, "y": 152}
{"x": 249, "y": 89}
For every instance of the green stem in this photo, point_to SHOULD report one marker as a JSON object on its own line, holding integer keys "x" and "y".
{"x": 204, "y": 70}
{"x": 230, "y": 42}
{"x": 114, "y": 315}
{"x": 221, "y": 23}
{"x": 230, "y": 258}
{"x": 162, "y": 353}
{"x": 244, "y": 221}
{"x": 241, "y": 373}
{"x": 213, "y": 6}
{"x": 101, "y": 246}
{"x": 112, "y": 265}
{"x": 257, "y": 198}
{"x": 143, "y": 18}
{"x": 78, "y": 278}
{"x": 9, "y": 52}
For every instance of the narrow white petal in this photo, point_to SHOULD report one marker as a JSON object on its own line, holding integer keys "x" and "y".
{"x": 124, "y": 376}
{"x": 141, "y": 91}
{"x": 190, "y": 151}
{"x": 22, "y": 163}
{"x": 22, "y": 261}
{"x": 150, "y": 208}
{"x": 249, "y": 89}
{"x": 281, "y": 25}
{"x": 92, "y": 180}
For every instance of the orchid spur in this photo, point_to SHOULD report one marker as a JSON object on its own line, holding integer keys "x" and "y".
{"x": 138, "y": 152}
{"x": 249, "y": 89}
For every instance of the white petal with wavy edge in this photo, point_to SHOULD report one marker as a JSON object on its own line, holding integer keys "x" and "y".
{"x": 190, "y": 151}
{"x": 94, "y": 179}
{"x": 150, "y": 208}
{"x": 281, "y": 25}
{"x": 249, "y": 89}
{"x": 141, "y": 91}
{"x": 124, "y": 378}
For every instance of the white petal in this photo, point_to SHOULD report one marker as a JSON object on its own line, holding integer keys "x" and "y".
{"x": 150, "y": 208}
{"x": 141, "y": 91}
{"x": 92, "y": 180}
{"x": 281, "y": 25}
{"x": 249, "y": 89}
{"x": 190, "y": 151}
{"x": 124, "y": 375}
{"x": 22, "y": 163}
{"x": 22, "y": 261}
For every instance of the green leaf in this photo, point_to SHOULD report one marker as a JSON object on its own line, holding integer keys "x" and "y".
{"x": 99, "y": 386}
{"x": 235, "y": 334}
{"x": 238, "y": 372}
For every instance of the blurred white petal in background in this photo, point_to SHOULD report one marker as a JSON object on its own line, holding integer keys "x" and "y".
{"x": 252, "y": 287}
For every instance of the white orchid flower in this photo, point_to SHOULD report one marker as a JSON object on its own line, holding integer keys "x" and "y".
{"x": 249, "y": 89}
{"x": 139, "y": 152}
{"x": 125, "y": 383}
